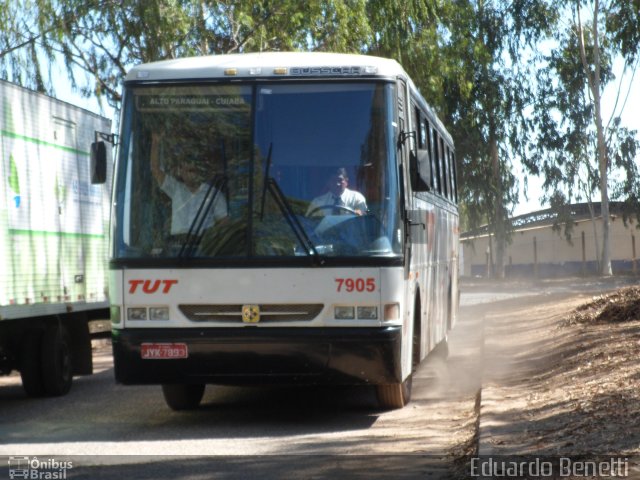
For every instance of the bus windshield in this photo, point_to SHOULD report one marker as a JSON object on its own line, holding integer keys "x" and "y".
{"x": 289, "y": 170}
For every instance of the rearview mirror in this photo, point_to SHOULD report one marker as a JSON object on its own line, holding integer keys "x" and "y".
{"x": 98, "y": 163}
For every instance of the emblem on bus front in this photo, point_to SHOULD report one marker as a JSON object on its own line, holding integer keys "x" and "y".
{"x": 250, "y": 313}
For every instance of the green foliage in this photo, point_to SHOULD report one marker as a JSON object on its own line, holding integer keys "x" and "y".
{"x": 453, "y": 49}
{"x": 567, "y": 111}
{"x": 505, "y": 77}
{"x": 580, "y": 153}
{"x": 104, "y": 38}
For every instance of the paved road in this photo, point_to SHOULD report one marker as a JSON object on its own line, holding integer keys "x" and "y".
{"x": 274, "y": 432}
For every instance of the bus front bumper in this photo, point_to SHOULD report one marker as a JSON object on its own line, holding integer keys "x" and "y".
{"x": 258, "y": 356}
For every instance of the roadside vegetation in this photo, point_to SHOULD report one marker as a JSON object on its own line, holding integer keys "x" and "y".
{"x": 519, "y": 84}
{"x": 570, "y": 370}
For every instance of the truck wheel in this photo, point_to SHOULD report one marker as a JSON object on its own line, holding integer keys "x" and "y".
{"x": 31, "y": 364}
{"x": 183, "y": 397}
{"x": 57, "y": 367}
{"x": 395, "y": 395}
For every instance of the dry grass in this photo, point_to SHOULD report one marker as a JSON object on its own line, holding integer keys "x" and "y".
{"x": 620, "y": 306}
{"x": 572, "y": 384}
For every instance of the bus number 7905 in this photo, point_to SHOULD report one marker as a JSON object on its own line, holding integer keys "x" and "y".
{"x": 356, "y": 284}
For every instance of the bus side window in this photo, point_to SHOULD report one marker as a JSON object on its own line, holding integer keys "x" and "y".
{"x": 450, "y": 176}
{"x": 420, "y": 138}
{"x": 443, "y": 171}
{"x": 436, "y": 162}
{"x": 429, "y": 147}
{"x": 435, "y": 169}
{"x": 418, "y": 182}
{"x": 455, "y": 176}
{"x": 424, "y": 160}
{"x": 447, "y": 171}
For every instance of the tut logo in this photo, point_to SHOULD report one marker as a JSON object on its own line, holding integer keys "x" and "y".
{"x": 250, "y": 313}
{"x": 151, "y": 286}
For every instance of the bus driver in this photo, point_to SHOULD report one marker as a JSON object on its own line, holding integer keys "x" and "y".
{"x": 338, "y": 199}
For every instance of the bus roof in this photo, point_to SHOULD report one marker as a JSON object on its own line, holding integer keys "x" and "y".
{"x": 267, "y": 64}
{"x": 277, "y": 65}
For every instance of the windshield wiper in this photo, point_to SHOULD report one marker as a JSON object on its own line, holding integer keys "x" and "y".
{"x": 292, "y": 219}
{"x": 285, "y": 207}
{"x": 267, "y": 169}
{"x": 216, "y": 185}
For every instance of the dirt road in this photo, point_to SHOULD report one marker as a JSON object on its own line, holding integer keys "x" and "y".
{"x": 549, "y": 386}
{"x": 554, "y": 386}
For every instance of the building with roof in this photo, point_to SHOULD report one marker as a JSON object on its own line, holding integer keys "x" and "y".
{"x": 540, "y": 248}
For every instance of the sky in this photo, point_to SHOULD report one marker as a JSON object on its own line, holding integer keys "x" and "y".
{"x": 630, "y": 119}
{"x": 64, "y": 92}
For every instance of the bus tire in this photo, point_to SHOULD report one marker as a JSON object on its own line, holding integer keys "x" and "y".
{"x": 395, "y": 395}
{"x": 417, "y": 335}
{"x": 183, "y": 397}
{"x": 31, "y": 364}
{"x": 57, "y": 365}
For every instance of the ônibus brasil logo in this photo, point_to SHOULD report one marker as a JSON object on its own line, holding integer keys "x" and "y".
{"x": 36, "y": 469}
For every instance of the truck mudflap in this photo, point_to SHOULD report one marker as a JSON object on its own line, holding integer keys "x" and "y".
{"x": 257, "y": 356}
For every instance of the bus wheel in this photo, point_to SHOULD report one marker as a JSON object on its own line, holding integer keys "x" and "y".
{"x": 57, "y": 367}
{"x": 183, "y": 397}
{"x": 395, "y": 395}
{"x": 30, "y": 364}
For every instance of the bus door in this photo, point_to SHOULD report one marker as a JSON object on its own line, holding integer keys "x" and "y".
{"x": 404, "y": 149}
{"x": 414, "y": 224}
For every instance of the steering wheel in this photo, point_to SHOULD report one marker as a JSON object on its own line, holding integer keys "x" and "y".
{"x": 327, "y": 207}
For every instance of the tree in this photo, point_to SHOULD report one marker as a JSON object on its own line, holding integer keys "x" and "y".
{"x": 466, "y": 56}
{"x": 575, "y": 147}
{"x": 486, "y": 39}
{"x": 104, "y": 38}
{"x": 20, "y": 34}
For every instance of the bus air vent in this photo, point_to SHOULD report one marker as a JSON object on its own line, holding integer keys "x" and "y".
{"x": 268, "y": 312}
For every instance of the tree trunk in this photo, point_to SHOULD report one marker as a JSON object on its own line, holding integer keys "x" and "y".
{"x": 499, "y": 223}
{"x": 605, "y": 264}
{"x": 594, "y": 85}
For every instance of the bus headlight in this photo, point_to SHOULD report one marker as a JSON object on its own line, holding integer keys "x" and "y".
{"x": 136, "y": 313}
{"x": 345, "y": 313}
{"x": 367, "y": 313}
{"x": 158, "y": 313}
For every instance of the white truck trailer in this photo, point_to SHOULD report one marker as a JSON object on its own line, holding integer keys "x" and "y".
{"x": 53, "y": 239}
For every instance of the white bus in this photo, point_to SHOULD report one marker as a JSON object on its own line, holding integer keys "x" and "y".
{"x": 281, "y": 218}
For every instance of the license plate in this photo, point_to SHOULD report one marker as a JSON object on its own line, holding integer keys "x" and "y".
{"x": 163, "y": 351}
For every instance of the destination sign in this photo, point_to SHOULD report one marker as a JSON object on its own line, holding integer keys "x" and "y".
{"x": 190, "y": 102}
